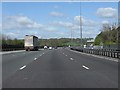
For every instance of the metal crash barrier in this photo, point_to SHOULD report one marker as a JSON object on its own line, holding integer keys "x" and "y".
{"x": 114, "y": 53}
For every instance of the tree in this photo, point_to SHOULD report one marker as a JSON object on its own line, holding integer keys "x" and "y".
{"x": 109, "y": 35}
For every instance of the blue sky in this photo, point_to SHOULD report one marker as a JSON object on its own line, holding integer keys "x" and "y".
{"x": 56, "y": 19}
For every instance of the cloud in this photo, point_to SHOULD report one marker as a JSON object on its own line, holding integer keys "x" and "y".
{"x": 50, "y": 28}
{"x": 12, "y": 35}
{"x": 56, "y": 6}
{"x": 56, "y": 28}
{"x": 105, "y": 22}
{"x": 75, "y": 25}
{"x": 56, "y": 14}
{"x": 20, "y": 22}
{"x": 107, "y": 12}
{"x": 87, "y": 32}
{"x": 65, "y": 24}
{"x": 0, "y": 27}
{"x": 62, "y": 24}
{"x": 85, "y": 21}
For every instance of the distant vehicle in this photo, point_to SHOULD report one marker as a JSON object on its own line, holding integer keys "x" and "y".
{"x": 55, "y": 47}
{"x": 84, "y": 46}
{"x": 31, "y": 42}
{"x": 45, "y": 47}
{"x": 50, "y": 48}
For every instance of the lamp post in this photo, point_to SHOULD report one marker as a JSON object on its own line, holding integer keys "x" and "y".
{"x": 81, "y": 42}
{"x": 71, "y": 36}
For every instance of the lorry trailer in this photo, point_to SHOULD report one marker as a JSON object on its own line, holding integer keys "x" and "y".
{"x": 31, "y": 42}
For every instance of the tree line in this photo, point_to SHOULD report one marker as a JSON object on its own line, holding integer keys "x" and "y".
{"x": 62, "y": 42}
{"x": 7, "y": 42}
{"x": 109, "y": 35}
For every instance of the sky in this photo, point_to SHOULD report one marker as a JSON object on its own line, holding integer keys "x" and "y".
{"x": 56, "y": 19}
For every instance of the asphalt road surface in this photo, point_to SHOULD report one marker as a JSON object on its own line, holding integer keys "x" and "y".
{"x": 58, "y": 68}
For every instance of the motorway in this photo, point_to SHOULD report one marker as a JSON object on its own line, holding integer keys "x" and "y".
{"x": 58, "y": 68}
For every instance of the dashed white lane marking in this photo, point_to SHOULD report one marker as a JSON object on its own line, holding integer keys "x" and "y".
{"x": 71, "y": 59}
{"x": 22, "y": 67}
{"x": 35, "y": 58}
{"x": 85, "y": 67}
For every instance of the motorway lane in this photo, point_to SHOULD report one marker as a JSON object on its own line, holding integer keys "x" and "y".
{"x": 13, "y": 61}
{"x": 106, "y": 69}
{"x": 65, "y": 69}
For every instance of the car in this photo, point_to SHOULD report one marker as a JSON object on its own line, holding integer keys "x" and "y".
{"x": 45, "y": 47}
{"x": 55, "y": 47}
{"x": 50, "y": 48}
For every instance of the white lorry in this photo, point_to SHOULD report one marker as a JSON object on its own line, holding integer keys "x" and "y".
{"x": 31, "y": 42}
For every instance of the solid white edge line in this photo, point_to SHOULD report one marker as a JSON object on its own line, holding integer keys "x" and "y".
{"x": 9, "y": 52}
{"x": 22, "y": 67}
{"x": 85, "y": 67}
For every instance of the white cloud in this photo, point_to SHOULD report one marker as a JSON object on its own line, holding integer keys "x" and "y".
{"x": 87, "y": 32}
{"x": 12, "y": 35}
{"x": 105, "y": 22}
{"x": 0, "y": 27}
{"x": 56, "y": 6}
{"x": 20, "y": 22}
{"x": 50, "y": 28}
{"x": 85, "y": 21}
{"x": 56, "y": 14}
{"x": 76, "y": 24}
{"x": 75, "y": 27}
{"x": 63, "y": 24}
{"x": 107, "y": 12}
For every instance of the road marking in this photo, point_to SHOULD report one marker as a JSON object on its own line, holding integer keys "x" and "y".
{"x": 85, "y": 67}
{"x": 43, "y": 53}
{"x": 65, "y": 55}
{"x": 23, "y": 53}
{"x": 71, "y": 59}
{"x": 35, "y": 58}
{"x": 22, "y": 67}
{"x": 25, "y": 78}
{"x": 8, "y": 52}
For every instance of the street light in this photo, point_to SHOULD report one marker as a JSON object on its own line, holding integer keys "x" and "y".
{"x": 81, "y": 42}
